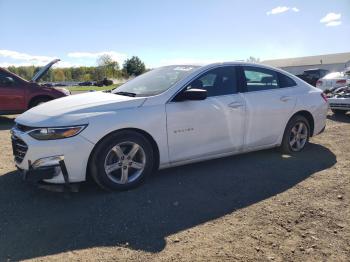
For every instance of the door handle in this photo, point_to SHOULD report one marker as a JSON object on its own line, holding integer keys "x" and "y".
{"x": 285, "y": 98}
{"x": 235, "y": 105}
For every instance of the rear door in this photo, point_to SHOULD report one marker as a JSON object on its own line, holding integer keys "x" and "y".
{"x": 12, "y": 95}
{"x": 269, "y": 98}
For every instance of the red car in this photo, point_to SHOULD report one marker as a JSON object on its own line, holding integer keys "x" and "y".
{"x": 18, "y": 95}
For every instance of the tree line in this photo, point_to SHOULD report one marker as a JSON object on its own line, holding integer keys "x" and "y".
{"x": 106, "y": 68}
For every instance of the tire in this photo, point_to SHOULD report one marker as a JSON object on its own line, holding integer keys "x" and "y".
{"x": 110, "y": 166}
{"x": 39, "y": 101}
{"x": 339, "y": 112}
{"x": 290, "y": 135}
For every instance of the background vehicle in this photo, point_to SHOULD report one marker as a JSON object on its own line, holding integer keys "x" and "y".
{"x": 332, "y": 81}
{"x": 312, "y": 75}
{"x": 17, "y": 94}
{"x": 339, "y": 100}
{"x": 166, "y": 117}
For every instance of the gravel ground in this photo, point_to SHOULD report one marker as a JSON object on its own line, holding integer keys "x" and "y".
{"x": 259, "y": 206}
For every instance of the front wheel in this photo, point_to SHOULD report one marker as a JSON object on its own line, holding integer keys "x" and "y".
{"x": 121, "y": 161}
{"x": 296, "y": 135}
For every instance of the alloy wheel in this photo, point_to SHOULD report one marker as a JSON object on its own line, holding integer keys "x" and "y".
{"x": 125, "y": 162}
{"x": 298, "y": 136}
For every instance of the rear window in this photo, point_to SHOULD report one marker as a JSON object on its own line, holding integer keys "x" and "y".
{"x": 285, "y": 81}
{"x": 258, "y": 79}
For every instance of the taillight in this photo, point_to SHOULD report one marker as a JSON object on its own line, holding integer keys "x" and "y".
{"x": 341, "y": 82}
{"x": 325, "y": 98}
{"x": 319, "y": 83}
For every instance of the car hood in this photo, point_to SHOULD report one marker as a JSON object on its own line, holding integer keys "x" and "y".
{"x": 76, "y": 109}
{"x": 44, "y": 70}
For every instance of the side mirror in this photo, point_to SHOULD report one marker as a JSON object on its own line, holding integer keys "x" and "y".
{"x": 192, "y": 94}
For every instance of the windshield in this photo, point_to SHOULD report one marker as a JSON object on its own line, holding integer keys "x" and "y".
{"x": 156, "y": 81}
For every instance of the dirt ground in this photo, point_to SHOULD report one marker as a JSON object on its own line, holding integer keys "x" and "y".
{"x": 260, "y": 206}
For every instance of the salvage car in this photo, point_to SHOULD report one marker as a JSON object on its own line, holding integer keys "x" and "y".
{"x": 169, "y": 116}
{"x": 18, "y": 95}
{"x": 311, "y": 76}
{"x": 339, "y": 100}
{"x": 333, "y": 80}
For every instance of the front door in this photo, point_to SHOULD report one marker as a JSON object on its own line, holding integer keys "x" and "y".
{"x": 11, "y": 94}
{"x": 207, "y": 127}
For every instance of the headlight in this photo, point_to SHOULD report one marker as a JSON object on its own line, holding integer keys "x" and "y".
{"x": 63, "y": 90}
{"x": 51, "y": 133}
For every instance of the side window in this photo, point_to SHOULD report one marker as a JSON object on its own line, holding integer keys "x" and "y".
{"x": 285, "y": 81}
{"x": 219, "y": 81}
{"x": 5, "y": 80}
{"x": 258, "y": 79}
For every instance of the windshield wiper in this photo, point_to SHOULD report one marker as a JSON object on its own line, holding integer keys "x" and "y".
{"x": 125, "y": 94}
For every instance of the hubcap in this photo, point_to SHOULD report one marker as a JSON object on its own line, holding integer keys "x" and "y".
{"x": 298, "y": 136}
{"x": 125, "y": 162}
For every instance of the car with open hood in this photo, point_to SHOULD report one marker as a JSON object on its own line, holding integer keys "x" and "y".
{"x": 18, "y": 95}
{"x": 169, "y": 116}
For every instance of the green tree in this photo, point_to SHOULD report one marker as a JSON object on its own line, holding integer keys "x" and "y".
{"x": 134, "y": 66}
{"x": 110, "y": 68}
{"x": 59, "y": 75}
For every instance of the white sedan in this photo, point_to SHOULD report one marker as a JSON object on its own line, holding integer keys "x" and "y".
{"x": 333, "y": 80}
{"x": 170, "y": 116}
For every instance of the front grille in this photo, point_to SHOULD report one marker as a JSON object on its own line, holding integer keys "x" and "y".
{"x": 339, "y": 105}
{"x": 19, "y": 148}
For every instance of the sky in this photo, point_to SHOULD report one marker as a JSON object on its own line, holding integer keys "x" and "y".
{"x": 165, "y": 32}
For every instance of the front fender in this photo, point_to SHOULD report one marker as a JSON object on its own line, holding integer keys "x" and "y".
{"x": 150, "y": 119}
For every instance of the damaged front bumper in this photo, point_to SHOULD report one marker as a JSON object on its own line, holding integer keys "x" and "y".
{"x": 46, "y": 169}
{"x": 54, "y": 162}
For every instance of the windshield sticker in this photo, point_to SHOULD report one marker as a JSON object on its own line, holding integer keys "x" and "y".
{"x": 182, "y": 68}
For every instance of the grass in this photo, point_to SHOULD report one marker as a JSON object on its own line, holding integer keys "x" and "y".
{"x": 91, "y": 88}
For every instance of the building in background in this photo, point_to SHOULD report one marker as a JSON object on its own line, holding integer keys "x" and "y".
{"x": 332, "y": 62}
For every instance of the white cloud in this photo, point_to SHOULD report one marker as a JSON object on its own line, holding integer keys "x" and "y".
{"x": 334, "y": 23}
{"x": 331, "y": 19}
{"x": 76, "y": 59}
{"x": 61, "y": 64}
{"x": 282, "y": 9}
{"x": 25, "y": 57}
{"x": 7, "y": 64}
{"x": 115, "y": 55}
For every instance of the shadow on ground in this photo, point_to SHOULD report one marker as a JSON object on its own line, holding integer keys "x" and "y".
{"x": 339, "y": 118}
{"x": 36, "y": 223}
{"x": 6, "y": 123}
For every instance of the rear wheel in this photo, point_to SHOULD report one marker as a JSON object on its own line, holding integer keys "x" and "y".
{"x": 296, "y": 135}
{"x": 122, "y": 161}
{"x": 339, "y": 112}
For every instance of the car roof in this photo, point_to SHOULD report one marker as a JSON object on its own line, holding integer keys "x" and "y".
{"x": 243, "y": 63}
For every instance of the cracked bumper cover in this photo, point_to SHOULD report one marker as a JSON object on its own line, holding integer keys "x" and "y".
{"x": 44, "y": 169}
